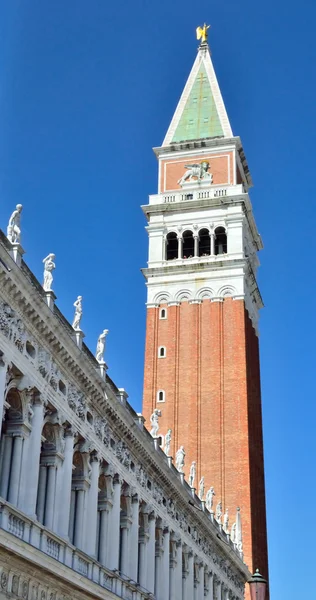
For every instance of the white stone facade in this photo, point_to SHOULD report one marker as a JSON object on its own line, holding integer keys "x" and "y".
{"x": 90, "y": 506}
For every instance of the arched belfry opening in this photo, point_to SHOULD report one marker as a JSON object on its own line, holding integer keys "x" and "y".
{"x": 171, "y": 246}
{"x": 220, "y": 240}
{"x": 204, "y": 242}
{"x": 188, "y": 244}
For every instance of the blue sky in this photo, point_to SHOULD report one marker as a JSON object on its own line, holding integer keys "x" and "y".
{"x": 86, "y": 90}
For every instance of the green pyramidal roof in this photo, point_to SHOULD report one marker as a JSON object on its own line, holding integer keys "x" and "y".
{"x": 199, "y": 118}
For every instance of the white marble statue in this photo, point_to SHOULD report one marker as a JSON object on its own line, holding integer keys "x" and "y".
{"x": 14, "y": 228}
{"x": 218, "y": 513}
{"x": 180, "y": 456}
{"x": 78, "y": 313}
{"x": 154, "y": 421}
{"x": 210, "y": 499}
{"x": 198, "y": 171}
{"x": 192, "y": 474}
{"x": 226, "y": 521}
{"x": 233, "y": 533}
{"x": 101, "y": 346}
{"x": 49, "y": 267}
{"x": 168, "y": 442}
{"x": 201, "y": 488}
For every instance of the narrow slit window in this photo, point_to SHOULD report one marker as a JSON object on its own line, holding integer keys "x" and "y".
{"x": 162, "y": 352}
{"x": 161, "y": 396}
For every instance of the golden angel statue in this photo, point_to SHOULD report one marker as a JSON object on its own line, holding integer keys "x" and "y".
{"x": 201, "y": 33}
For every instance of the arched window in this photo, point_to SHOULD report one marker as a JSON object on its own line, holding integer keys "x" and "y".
{"x": 163, "y": 313}
{"x": 171, "y": 246}
{"x": 161, "y": 396}
{"x": 204, "y": 242}
{"x": 220, "y": 240}
{"x": 188, "y": 244}
{"x": 161, "y": 351}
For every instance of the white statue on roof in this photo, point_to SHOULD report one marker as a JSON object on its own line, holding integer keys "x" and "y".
{"x": 218, "y": 513}
{"x": 49, "y": 267}
{"x": 14, "y": 229}
{"x": 168, "y": 442}
{"x": 101, "y": 346}
{"x": 154, "y": 421}
{"x": 197, "y": 172}
{"x": 180, "y": 456}
{"x": 201, "y": 488}
{"x": 78, "y": 313}
{"x": 192, "y": 474}
{"x": 210, "y": 499}
{"x": 226, "y": 521}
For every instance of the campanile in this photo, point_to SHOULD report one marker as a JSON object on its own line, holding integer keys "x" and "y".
{"x": 202, "y": 366}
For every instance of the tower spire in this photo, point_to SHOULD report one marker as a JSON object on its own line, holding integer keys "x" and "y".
{"x": 201, "y": 112}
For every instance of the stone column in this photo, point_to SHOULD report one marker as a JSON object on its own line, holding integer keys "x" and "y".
{"x": 143, "y": 541}
{"x": 151, "y": 554}
{"x": 105, "y": 510}
{"x": 64, "y": 493}
{"x": 15, "y": 473}
{"x": 189, "y": 579}
{"x": 32, "y": 466}
{"x": 201, "y": 583}
{"x": 133, "y": 547}
{"x": 196, "y": 245}
{"x": 178, "y": 572}
{"x": 218, "y": 589}
{"x": 173, "y": 573}
{"x": 79, "y": 518}
{"x": 166, "y": 563}
{"x": 210, "y": 593}
{"x": 114, "y": 529}
{"x": 50, "y": 496}
{"x": 7, "y": 456}
{"x": 212, "y": 236}
{"x": 180, "y": 246}
{"x": 72, "y": 516}
{"x": 196, "y": 580}
{"x": 41, "y": 495}
{"x": 92, "y": 507}
{"x": 226, "y": 593}
{"x": 159, "y": 588}
{"x": 125, "y": 525}
{"x": 3, "y": 376}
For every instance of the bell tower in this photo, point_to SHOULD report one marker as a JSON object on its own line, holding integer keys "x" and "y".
{"x": 202, "y": 366}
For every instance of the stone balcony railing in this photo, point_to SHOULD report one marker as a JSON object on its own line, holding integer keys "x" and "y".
{"x": 197, "y": 194}
{"x": 32, "y": 532}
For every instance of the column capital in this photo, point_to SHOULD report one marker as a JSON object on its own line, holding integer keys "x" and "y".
{"x": 69, "y": 431}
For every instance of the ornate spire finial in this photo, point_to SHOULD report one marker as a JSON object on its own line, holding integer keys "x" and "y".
{"x": 201, "y": 33}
